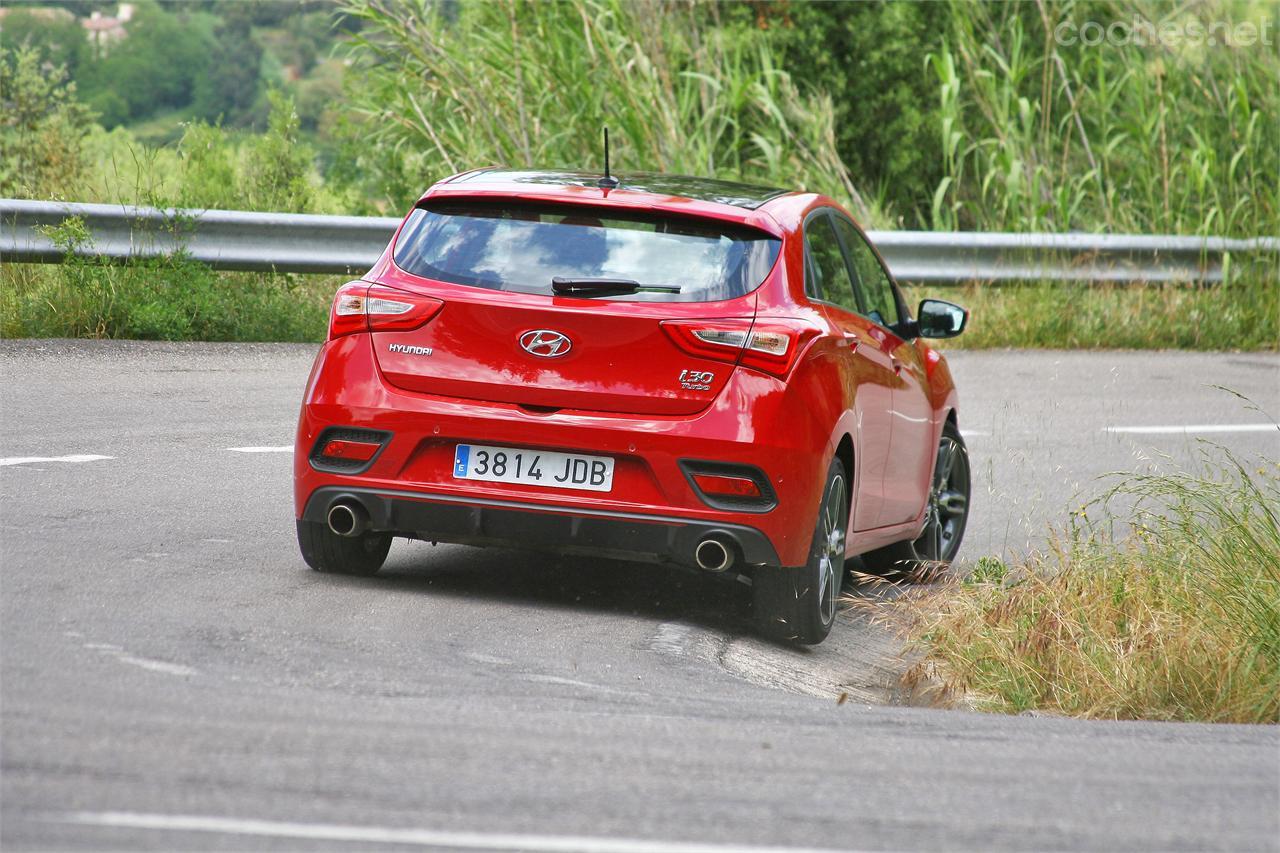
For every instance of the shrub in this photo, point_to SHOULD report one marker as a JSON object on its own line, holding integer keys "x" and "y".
{"x": 166, "y": 298}
{"x": 42, "y": 127}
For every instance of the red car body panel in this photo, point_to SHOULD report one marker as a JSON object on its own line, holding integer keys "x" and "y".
{"x": 886, "y": 404}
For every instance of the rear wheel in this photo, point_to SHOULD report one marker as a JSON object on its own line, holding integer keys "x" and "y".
{"x": 326, "y": 551}
{"x": 800, "y": 604}
{"x": 945, "y": 515}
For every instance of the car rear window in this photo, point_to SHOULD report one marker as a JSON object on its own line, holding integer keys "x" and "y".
{"x": 521, "y": 248}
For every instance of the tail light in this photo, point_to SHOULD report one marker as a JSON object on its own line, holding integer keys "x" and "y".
{"x": 363, "y": 307}
{"x": 768, "y": 344}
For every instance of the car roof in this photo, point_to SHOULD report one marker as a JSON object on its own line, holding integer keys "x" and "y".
{"x": 709, "y": 190}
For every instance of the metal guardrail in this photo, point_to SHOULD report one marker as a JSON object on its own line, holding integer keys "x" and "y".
{"x": 223, "y": 239}
{"x": 305, "y": 243}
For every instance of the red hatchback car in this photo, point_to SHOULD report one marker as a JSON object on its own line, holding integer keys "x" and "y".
{"x": 672, "y": 369}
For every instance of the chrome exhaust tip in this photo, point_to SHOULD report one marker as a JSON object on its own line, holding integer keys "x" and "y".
{"x": 347, "y": 519}
{"x": 712, "y": 555}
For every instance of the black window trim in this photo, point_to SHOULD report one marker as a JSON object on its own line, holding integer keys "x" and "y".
{"x": 904, "y": 316}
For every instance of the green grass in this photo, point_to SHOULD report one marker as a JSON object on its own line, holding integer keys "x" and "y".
{"x": 175, "y": 298}
{"x": 178, "y": 299}
{"x": 1241, "y": 316}
{"x": 1160, "y": 601}
{"x": 171, "y": 299}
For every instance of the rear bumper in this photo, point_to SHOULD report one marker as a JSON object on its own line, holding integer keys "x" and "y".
{"x": 473, "y": 521}
{"x": 653, "y": 511}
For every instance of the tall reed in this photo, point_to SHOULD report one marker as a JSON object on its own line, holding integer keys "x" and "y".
{"x": 1174, "y": 136}
{"x": 532, "y": 84}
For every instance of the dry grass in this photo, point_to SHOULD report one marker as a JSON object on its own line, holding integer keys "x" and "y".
{"x": 1160, "y": 601}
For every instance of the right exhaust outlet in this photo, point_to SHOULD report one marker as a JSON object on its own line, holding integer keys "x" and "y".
{"x": 713, "y": 555}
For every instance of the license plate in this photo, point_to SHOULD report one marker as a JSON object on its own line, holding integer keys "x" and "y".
{"x": 532, "y": 467}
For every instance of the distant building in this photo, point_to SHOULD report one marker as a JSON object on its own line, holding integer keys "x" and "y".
{"x": 104, "y": 31}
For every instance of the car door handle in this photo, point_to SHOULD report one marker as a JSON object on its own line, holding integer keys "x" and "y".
{"x": 852, "y": 339}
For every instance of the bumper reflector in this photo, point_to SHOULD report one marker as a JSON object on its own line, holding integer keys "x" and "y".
{"x": 729, "y": 485}
{"x": 721, "y": 484}
{"x": 356, "y": 451}
{"x": 347, "y": 450}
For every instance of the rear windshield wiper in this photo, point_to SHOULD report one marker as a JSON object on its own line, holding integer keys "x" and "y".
{"x": 589, "y": 287}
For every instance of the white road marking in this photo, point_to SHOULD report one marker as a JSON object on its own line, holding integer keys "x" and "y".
{"x": 412, "y": 837}
{"x": 1193, "y": 429}
{"x": 156, "y": 665}
{"x": 286, "y": 449}
{"x": 24, "y": 460}
{"x": 149, "y": 664}
{"x": 573, "y": 682}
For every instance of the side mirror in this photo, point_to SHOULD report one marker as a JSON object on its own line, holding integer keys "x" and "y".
{"x": 938, "y": 319}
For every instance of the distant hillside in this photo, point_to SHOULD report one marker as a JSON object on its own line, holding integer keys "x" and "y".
{"x": 151, "y": 65}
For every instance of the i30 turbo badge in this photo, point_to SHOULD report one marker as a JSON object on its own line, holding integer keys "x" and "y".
{"x": 545, "y": 343}
{"x": 747, "y": 394}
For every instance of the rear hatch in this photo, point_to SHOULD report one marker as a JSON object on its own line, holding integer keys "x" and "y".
{"x": 612, "y": 336}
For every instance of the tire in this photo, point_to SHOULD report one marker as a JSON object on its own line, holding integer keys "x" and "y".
{"x": 946, "y": 515}
{"x": 799, "y": 605}
{"x": 326, "y": 551}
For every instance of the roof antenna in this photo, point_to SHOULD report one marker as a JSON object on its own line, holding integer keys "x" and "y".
{"x": 608, "y": 182}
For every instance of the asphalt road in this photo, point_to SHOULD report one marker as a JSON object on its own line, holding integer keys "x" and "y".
{"x": 173, "y": 676}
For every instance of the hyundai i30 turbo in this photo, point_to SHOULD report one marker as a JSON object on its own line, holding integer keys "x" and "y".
{"x": 670, "y": 369}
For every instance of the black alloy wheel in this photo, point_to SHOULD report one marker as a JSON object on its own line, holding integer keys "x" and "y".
{"x": 948, "y": 509}
{"x": 945, "y": 516}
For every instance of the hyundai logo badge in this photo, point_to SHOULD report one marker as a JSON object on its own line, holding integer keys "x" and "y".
{"x": 545, "y": 343}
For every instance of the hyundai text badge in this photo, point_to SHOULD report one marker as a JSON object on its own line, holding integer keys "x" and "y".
{"x": 545, "y": 343}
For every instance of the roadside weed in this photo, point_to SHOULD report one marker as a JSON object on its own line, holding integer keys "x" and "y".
{"x": 1159, "y": 600}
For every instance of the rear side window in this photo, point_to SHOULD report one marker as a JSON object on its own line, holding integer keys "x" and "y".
{"x": 521, "y": 248}
{"x": 826, "y": 264}
{"x": 873, "y": 282}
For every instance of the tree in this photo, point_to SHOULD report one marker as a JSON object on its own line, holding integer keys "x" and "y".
{"x": 278, "y": 163}
{"x": 56, "y": 36}
{"x": 232, "y": 92}
{"x": 870, "y": 57}
{"x": 42, "y": 125}
{"x": 154, "y": 68}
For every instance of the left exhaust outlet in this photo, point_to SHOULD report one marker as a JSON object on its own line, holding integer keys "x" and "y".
{"x": 348, "y": 518}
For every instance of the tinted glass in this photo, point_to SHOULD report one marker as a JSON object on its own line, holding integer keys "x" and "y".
{"x": 826, "y": 264}
{"x": 502, "y": 247}
{"x": 877, "y": 291}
